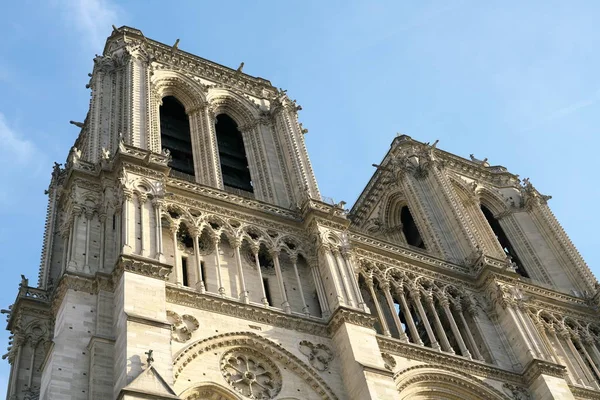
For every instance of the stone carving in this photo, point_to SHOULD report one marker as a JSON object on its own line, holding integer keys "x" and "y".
{"x": 182, "y": 326}
{"x": 319, "y": 355}
{"x": 388, "y": 361}
{"x": 516, "y": 392}
{"x": 250, "y": 373}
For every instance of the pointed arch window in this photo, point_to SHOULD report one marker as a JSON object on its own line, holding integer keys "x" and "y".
{"x": 232, "y": 154}
{"x": 175, "y": 135}
{"x": 409, "y": 228}
{"x": 509, "y": 250}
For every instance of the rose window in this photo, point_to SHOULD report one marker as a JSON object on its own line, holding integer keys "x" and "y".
{"x": 251, "y": 374}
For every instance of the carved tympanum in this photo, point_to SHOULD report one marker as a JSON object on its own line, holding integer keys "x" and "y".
{"x": 250, "y": 373}
{"x": 319, "y": 355}
{"x": 182, "y": 326}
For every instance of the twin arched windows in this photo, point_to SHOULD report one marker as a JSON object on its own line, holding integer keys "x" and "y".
{"x": 175, "y": 136}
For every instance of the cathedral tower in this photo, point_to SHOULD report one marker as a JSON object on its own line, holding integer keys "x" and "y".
{"x": 188, "y": 255}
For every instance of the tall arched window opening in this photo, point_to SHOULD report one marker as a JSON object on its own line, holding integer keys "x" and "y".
{"x": 503, "y": 240}
{"x": 232, "y": 154}
{"x": 410, "y": 230}
{"x": 175, "y": 135}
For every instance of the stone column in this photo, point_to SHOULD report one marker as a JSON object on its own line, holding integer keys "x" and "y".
{"x": 325, "y": 252}
{"x": 472, "y": 344}
{"x": 126, "y": 222}
{"x": 595, "y": 374}
{"x": 438, "y": 324}
{"x": 221, "y": 290}
{"x": 541, "y": 328}
{"x": 339, "y": 264}
{"x": 102, "y": 219}
{"x": 142, "y": 198}
{"x": 321, "y": 296}
{"x": 66, "y": 238}
{"x": 263, "y": 300}
{"x": 294, "y": 259}
{"x": 88, "y": 217}
{"x": 176, "y": 261}
{"x": 238, "y": 259}
{"x": 390, "y": 301}
{"x": 586, "y": 371}
{"x": 461, "y": 343}
{"x": 73, "y": 242}
{"x": 382, "y": 321}
{"x": 200, "y": 284}
{"x": 416, "y": 296}
{"x": 408, "y": 315}
{"x": 572, "y": 372}
{"x": 158, "y": 204}
{"x": 353, "y": 277}
{"x": 591, "y": 342}
{"x": 286, "y": 304}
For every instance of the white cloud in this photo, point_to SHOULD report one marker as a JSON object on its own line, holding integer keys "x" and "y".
{"x": 92, "y": 18}
{"x": 21, "y": 166}
{"x": 17, "y": 150}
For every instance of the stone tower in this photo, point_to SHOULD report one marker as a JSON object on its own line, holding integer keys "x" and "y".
{"x": 188, "y": 255}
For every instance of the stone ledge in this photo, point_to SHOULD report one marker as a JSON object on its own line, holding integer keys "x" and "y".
{"x": 249, "y": 312}
{"x": 540, "y": 367}
{"x": 425, "y": 354}
{"x": 346, "y": 315}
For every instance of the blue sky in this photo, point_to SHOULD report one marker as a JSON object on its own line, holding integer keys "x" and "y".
{"x": 516, "y": 82}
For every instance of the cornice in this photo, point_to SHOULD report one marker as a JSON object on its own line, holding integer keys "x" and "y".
{"x": 232, "y": 199}
{"x": 425, "y": 354}
{"x": 541, "y": 297}
{"x": 539, "y": 367}
{"x": 207, "y": 302}
{"x": 78, "y": 282}
{"x": 141, "y": 266}
{"x": 197, "y": 66}
{"x": 344, "y": 315}
{"x": 583, "y": 393}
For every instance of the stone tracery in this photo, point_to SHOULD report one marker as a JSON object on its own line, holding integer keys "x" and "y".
{"x": 251, "y": 374}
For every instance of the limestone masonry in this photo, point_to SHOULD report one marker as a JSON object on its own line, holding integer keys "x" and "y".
{"x": 188, "y": 254}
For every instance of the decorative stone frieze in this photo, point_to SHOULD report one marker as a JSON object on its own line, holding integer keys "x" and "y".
{"x": 207, "y": 302}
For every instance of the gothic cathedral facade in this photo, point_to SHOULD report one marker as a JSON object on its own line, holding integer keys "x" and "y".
{"x": 188, "y": 254}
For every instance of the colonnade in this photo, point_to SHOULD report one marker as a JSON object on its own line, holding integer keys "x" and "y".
{"x": 421, "y": 316}
{"x": 573, "y": 346}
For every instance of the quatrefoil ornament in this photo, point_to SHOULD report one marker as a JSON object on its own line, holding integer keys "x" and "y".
{"x": 182, "y": 326}
{"x": 318, "y": 355}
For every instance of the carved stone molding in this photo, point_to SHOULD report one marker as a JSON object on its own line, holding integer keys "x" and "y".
{"x": 345, "y": 315}
{"x": 539, "y": 367}
{"x": 141, "y": 266}
{"x": 428, "y": 355}
{"x": 425, "y": 378}
{"x": 207, "y": 302}
{"x": 82, "y": 283}
{"x": 257, "y": 343}
{"x": 389, "y": 362}
{"x": 516, "y": 392}
{"x": 583, "y": 393}
{"x": 319, "y": 355}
